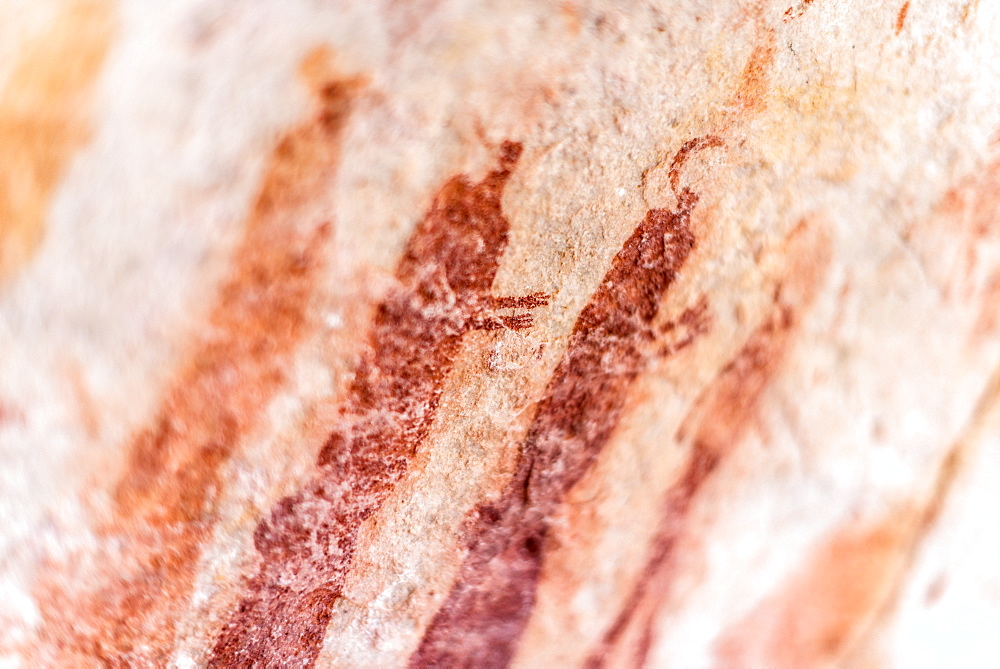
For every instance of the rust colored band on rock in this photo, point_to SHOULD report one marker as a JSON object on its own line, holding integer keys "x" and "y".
{"x": 307, "y": 544}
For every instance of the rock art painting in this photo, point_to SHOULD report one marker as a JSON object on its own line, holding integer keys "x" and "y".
{"x": 163, "y": 504}
{"x": 455, "y": 333}
{"x": 445, "y": 276}
{"x": 612, "y": 339}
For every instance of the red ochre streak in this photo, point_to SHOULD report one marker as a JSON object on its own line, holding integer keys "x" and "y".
{"x": 307, "y": 544}
{"x": 123, "y": 612}
{"x": 733, "y": 399}
{"x": 722, "y": 416}
{"x": 486, "y": 611}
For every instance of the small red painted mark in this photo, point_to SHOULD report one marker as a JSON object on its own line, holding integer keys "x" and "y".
{"x": 795, "y": 12}
{"x": 901, "y": 17}
{"x": 818, "y": 614}
{"x": 307, "y": 544}
{"x": 485, "y": 613}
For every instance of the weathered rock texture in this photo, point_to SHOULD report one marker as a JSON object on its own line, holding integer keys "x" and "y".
{"x": 474, "y": 333}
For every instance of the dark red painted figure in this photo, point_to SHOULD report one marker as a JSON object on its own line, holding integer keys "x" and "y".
{"x": 445, "y": 278}
{"x": 486, "y": 611}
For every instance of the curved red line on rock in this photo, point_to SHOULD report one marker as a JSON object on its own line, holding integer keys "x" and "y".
{"x": 488, "y": 607}
{"x": 307, "y": 543}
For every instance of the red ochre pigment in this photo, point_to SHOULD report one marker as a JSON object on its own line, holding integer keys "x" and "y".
{"x": 307, "y": 544}
{"x": 486, "y": 611}
{"x": 163, "y": 511}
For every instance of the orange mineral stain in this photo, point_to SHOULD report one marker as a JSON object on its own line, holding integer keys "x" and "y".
{"x": 813, "y": 618}
{"x": 163, "y": 504}
{"x": 44, "y": 119}
{"x": 307, "y": 543}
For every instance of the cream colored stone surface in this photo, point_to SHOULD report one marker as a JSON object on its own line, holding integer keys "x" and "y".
{"x": 847, "y": 234}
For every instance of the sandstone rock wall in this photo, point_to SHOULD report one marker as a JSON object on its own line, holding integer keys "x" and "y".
{"x": 472, "y": 333}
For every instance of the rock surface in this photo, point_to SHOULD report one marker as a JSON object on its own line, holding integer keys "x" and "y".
{"x": 475, "y": 333}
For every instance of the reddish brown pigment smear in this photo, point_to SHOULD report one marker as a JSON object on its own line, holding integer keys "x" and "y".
{"x": 752, "y": 92}
{"x": 901, "y": 17}
{"x": 735, "y": 392}
{"x": 307, "y": 544}
{"x": 724, "y": 413}
{"x": 793, "y": 13}
{"x": 485, "y": 613}
{"x": 680, "y": 333}
{"x": 163, "y": 504}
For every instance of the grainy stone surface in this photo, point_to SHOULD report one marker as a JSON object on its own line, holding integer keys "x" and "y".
{"x": 471, "y": 333}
